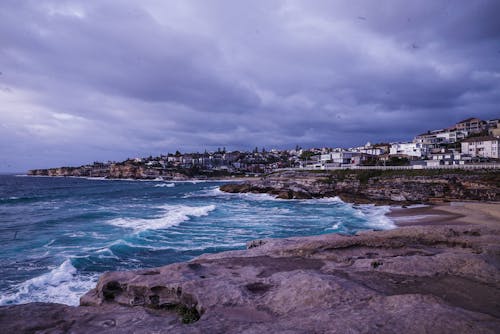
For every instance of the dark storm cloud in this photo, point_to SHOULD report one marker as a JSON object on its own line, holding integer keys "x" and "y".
{"x": 96, "y": 80}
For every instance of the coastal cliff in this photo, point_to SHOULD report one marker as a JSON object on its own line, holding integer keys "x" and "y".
{"x": 377, "y": 186}
{"x": 418, "y": 279}
{"x": 111, "y": 171}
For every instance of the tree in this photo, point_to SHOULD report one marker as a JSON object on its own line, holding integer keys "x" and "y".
{"x": 306, "y": 155}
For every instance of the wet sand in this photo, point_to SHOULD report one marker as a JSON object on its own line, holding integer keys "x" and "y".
{"x": 454, "y": 213}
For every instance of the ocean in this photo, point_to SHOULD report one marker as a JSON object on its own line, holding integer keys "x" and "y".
{"x": 59, "y": 234}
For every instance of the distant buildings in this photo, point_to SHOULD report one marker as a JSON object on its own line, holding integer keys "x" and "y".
{"x": 467, "y": 141}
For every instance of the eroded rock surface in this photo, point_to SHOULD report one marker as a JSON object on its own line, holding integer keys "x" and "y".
{"x": 376, "y": 186}
{"x": 420, "y": 279}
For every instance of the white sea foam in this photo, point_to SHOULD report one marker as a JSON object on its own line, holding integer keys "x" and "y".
{"x": 174, "y": 215}
{"x": 414, "y": 218}
{"x": 416, "y": 206}
{"x": 61, "y": 285}
{"x": 163, "y": 185}
{"x": 337, "y": 225}
{"x": 324, "y": 200}
{"x": 211, "y": 192}
{"x": 376, "y": 216}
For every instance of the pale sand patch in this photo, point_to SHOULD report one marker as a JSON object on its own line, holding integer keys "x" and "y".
{"x": 475, "y": 212}
{"x": 454, "y": 213}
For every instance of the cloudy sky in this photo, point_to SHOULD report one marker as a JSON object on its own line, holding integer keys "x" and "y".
{"x": 105, "y": 80}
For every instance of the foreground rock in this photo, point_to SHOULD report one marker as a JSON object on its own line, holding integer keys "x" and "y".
{"x": 376, "y": 186}
{"x": 420, "y": 279}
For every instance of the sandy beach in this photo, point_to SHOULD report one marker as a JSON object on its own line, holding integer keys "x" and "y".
{"x": 453, "y": 213}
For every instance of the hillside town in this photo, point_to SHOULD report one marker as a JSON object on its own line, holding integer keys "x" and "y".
{"x": 467, "y": 142}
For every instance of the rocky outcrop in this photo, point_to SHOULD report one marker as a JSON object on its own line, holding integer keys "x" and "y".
{"x": 420, "y": 279}
{"x": 382, "y": 187}
{"x": 111, "y": 171}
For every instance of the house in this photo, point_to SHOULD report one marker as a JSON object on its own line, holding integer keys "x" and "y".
{"x": 482, "y": 147}
{"x": 494, "y": 128}
{"x": 452, "y": 136}
{"x": 437, "y": 137}
{"x": 344, "y": 158}
{"x": 429, "y": 138}
{"x": 447, "y": 157}
{"x": 471, "y": 125}
{"x": 411, "y": 149}
{"x": 370, "y": 149}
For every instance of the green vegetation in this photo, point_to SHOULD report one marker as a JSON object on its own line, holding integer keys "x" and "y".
{"x": 306, "y": 155}
{"x": 398, "y": 161}
{"x": 188, "y": 315}
{"x": 364, "y": 175}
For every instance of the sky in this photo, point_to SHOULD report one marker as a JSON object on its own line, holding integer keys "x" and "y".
{"x": 84, "y": 80}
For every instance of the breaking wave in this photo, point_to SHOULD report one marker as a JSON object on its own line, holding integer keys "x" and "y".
{"x": 61, "y": 285}
{"x": 163, "y": 185}
{"x": 174, "y": 215}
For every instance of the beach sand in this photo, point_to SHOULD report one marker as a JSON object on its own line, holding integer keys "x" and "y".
{"x": 453, "y": 213}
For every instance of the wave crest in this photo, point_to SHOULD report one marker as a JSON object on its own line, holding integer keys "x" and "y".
{"x": 174, "y": 215}
{"x": 163, "y": 185}
{"x": 60, "y": 285}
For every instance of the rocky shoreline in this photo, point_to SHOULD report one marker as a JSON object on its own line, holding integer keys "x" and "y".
{"x": 439, "y": 278}
{"x": 401, "y": 187}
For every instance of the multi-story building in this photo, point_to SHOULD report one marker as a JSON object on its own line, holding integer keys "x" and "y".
{"x": 471, "y": 125}
{"x": 412, "y": 149}
{"x": 452, "y": 136}
{"x": 437, "y": 137}
{"x": 482, "y": 147}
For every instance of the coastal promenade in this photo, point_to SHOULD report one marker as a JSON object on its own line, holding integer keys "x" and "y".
{"x": 418, "y": 167}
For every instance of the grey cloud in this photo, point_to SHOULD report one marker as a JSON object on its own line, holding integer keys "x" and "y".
{"x": 149, "y": 77}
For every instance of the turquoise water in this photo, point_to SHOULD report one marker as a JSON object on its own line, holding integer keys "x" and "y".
{"x": 59, "y": 234}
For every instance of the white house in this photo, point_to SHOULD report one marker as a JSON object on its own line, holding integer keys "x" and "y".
{"x": 452, "y": 136}
{"x": 437, "y": 137}
{"x": 411, "y": 149}
{"x": 344, "y": 157}
{"x": 448, "y": 158}
{"x": 368, "y": 149}
{"x": 482, "y": 147}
